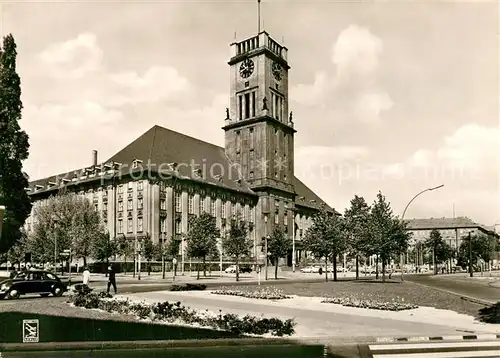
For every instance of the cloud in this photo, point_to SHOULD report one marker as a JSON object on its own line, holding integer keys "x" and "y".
{"x": 356, "y": 52}
{"x": 73, "y": 58}
{"x": 352, "y": 91}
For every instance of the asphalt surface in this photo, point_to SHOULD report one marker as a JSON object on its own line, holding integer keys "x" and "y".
{"x": 460, "y": 285}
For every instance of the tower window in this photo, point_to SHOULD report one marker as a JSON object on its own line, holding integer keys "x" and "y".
{"x": 240, "y": 107}
{"x": 247, "y": 105}
{"x": 253, "y": 104}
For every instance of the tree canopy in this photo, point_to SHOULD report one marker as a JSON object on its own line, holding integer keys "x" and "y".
{"x": 278, "y": 247}
{"x": 236, "y": 243}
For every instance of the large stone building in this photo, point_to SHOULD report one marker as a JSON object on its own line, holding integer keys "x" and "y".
{"x": 153, "y": 185}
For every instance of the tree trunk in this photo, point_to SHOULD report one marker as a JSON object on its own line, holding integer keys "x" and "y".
{"x": 383, "y": 269}
{"x": 124, "y": 265}
{"x": 237, "y": 270}
{"x": 84, "y": 261}
{"x": 276, "y": 269}
{"x": 198, "y": 269}
{"x": 376, "y": 267}
{"x": 357, "y": 267}
{"x": 326, "y": 269}
{"x": 334, "y": 267}
{"x": 204, "y": 266}
{"x": 149, "y": 268}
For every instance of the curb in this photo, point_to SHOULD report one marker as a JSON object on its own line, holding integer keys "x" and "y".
{"x": 440, "y": 338}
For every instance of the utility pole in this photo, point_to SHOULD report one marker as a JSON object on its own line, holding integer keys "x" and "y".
{"x": 471, "y": 272}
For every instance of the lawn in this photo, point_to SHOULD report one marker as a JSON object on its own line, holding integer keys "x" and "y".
{"x": 372, "y": 290}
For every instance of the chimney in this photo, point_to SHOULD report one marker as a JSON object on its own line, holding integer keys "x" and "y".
{"x": 94, "y": 158}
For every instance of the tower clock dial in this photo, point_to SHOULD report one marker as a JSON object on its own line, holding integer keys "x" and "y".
{"x": 246, "y": 68}
{"x": 276, "y": 68}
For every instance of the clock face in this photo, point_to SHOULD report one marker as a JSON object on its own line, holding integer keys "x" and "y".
{"x": 246, "y": 68}
{"x": 276, "y": 68}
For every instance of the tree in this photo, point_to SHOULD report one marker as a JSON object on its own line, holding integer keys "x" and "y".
{"x": 148, "y": 250}
{"x": 440, "y": 251}
{"x": 357, "y": 219}
{"x": 17, "y": 252}
{"x": 103, "y": 248}
{"x": 14, "y": 148}
{"x": 67, "y": 220}
{"x": 202, "y": 239}
{"x": 236, "y": 243}
{"x": 125, "y": 249}
{"x": 482, "y": 247}
{"x": 279, "y": 245}
{"x": 326, "y": 239}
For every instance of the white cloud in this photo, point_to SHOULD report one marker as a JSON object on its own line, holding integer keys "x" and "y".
{"x": 356, "y": 52}
{"x": 74, "y": 58}
{"x": 311, "y": 94}
{"x": 369, "y": 106}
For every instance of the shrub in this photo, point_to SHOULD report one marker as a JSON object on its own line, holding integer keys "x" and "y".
{"x": 490, "y": 314}
{"x": 175, "y": 312}
{"x": 266, "y": 293}
{"x": 352, "y": 301}
{"x": 188, "y": 287}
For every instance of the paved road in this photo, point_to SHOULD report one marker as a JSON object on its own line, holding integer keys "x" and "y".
{"x": 475, "y": 348}
{"x": 479, "y": 289}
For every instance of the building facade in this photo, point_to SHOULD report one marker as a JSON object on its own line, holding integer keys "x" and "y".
{"x": 156, "y": 183}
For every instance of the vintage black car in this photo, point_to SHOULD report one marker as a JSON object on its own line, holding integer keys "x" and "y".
{"x": 43, "y": 283}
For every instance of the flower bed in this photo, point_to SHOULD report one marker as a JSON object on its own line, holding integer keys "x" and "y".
{"x": 175, "y": 313}
{"x": 265, "y": 293}
{"x": 374, "y": 304}
{"x": 188, "y": 287}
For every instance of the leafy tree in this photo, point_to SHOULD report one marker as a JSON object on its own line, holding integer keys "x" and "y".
{"x": 236, "y": 243}
{"x": 14, "y": 148}
{"x": 103, "y": 248}
{"x": 18, "y": 251}
{"x": 278, "y": 246}
{"x": 482, "y": 247}
{"x": 326, "y": 239}
{"x": 148, "y": 251}
{"x": 357, "y": 219}
{"x": 439, "y": 250}
{"x": 125, "y": 249}
{"x": 69, "y": 219}
{"x": 202, "y": 239}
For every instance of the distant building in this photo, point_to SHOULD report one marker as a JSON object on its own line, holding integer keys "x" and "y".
{"x": 453, "y": 230}
{"x": 156, "y": 183}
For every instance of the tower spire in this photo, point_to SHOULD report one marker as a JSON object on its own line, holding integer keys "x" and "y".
{"x": 258, "y": 14}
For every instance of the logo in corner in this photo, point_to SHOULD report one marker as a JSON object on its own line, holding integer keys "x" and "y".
{"x": 31, "y": 330}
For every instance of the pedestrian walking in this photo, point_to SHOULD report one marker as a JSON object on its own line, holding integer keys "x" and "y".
{"x": 111, "y": 278}
{"x": 86, "y": 276}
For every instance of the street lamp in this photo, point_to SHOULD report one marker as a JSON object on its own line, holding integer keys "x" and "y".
{"x": 265, "y": 243}
{"x": 403, "y": 218}
{"x": 293, "y": 237}
{"x": 471, "y": 272}
{"x": 56, "y": 221}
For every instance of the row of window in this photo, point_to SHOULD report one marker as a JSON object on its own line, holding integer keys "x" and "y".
{"x": 129, "y": 185}
{"x": 130, "y": 225}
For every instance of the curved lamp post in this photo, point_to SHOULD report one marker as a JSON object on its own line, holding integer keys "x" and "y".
{"x": 403, "y": 217}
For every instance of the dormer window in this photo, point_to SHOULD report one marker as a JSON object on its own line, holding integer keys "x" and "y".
{"x": 135, "y": 163}
{"x": 173, "y": 166}
{"x": 38, "y": 187}
{"x": 116, "y": 165}
{"x": 51, "y": 184}
{"x": 65, "y": 180}
{"x": 28, "y": 189}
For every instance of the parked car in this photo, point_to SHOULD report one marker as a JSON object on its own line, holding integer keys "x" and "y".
{"x": 310, "y": 269}
{"x": 243, "y": 269}
{"x": 342, "y": 269}
{"x": 43, "y": 283}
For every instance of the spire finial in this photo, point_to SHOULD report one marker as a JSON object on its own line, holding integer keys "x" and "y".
{"x": 258, "y": 13}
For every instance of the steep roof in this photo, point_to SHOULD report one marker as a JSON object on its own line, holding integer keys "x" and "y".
{"x": 445, "y": 223}
{"x": 159, "y": 147}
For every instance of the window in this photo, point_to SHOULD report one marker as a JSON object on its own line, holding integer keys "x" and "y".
{"x": 104, "y": 206}
{"x": 177, "y": 226}
{"x": 135, "y": 164}
{"x": 251, "y": 175}
{"x": 202, "y": 205}
{"x": 120, "y": 189}
{"x": 120, "y": 226}
{"x": 238, "y": 142}
{"x": 139, "y": 224}
{"x": 130, "y": 225}
{"x": 130, "y": 205}
{"x": 247, "y": 105}
{"x": 284, "y": 177}
{"x": 190, "y": 204}
{"x": 252, "y": 213}
{"x": 250, "y": 138}
{"x": 240, "y": 107}
{"x": 223, "y": 210}
{"x": 96, "y": 208}
{"x": 253, "y": 104}
{"x": 178, "y": 207}
{"x": 120, "y": 206}
{"x": 163, "y": 224}
{"x": 285, "y": 219}
{"x": 163, "y": 204}
{"x": 212, "y": 208}
{"x": 276, "y": 218}
{"x": 140, "y": 203}
{"x": 139, "y": 185}
{"x": 130, "y": 185}
{"x": 233, "y": 209}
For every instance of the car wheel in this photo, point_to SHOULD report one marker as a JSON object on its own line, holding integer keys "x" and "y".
{"x": 13, "y": 294}
{"x": 57, "y": 292}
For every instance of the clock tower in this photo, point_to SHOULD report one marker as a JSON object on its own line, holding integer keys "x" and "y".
{"x": 259, "y": 133}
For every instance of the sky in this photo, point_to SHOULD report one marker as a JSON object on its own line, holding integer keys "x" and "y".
{"x": 394, "y": 97}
